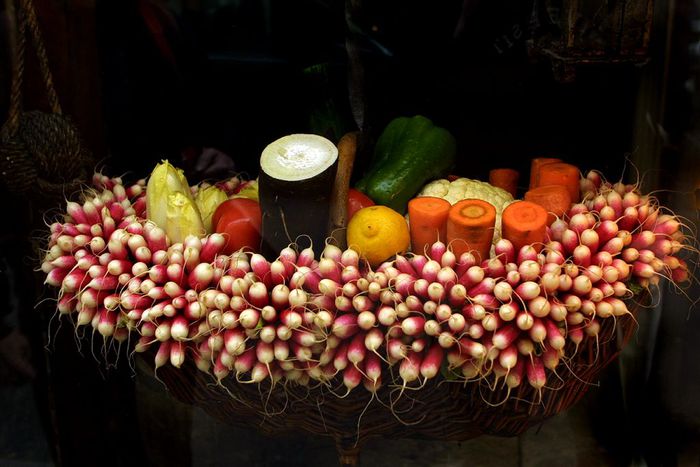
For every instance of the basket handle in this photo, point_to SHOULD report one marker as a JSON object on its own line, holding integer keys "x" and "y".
{"x": 27, "y": 21}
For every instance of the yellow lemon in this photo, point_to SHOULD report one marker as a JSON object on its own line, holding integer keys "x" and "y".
{"x": 377, "y": 233}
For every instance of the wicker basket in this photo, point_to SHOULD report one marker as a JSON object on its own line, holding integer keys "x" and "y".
{"x": 445, "y": 410}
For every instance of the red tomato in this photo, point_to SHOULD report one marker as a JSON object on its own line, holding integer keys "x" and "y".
{"x": 356, "y": 201}
{"x": 239, "y": 220}
{"x": 236, "y": 207}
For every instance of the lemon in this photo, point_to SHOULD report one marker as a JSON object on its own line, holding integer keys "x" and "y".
{"x": 377, "y": 233}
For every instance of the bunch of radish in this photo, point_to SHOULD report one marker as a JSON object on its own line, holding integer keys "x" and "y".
{"x": 331, "y": 320}
{"x": 106, "y": 261}
{"x": 652, "y": 237}
{"x": 87, "y": 259}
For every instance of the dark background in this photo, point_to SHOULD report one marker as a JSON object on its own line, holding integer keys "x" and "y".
{"x": 237, "y": 76}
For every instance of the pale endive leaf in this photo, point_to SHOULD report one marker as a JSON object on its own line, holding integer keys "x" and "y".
{"x": 208, "y": 199}
{"x": 182, "y": 218}
{"x": 170, "y": 204}
{"x": 248, "y": 190}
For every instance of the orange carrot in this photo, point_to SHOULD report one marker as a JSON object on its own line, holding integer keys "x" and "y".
{"x": 555, "y": 199}
{"x": 470, "y": 226}
{"x": 506, "y": 179}
{"x": 535, "y": 165}
{"x": 524, "y": 223}
{"x": 427, "y": 217}
{"x": 560, "y": 173}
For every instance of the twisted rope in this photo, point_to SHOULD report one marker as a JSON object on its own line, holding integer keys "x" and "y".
{"x": 18, "y": 42}
{"x": 41, "y": 154}
{"x": 28, "y": 7}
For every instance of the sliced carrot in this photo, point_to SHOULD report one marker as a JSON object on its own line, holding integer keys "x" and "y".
{"x": 535, "y": 165}
{"x": 555, "y": 199}
{"x": 524, "y": 223}
{"x": 427, "y": 219}
{"x": 561, "y": 173}
{"x": 506, "y": 179}
{"x": 470, "y": 226}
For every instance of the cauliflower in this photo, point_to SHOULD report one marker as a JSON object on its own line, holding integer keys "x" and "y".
{"x": 464, "y": 188}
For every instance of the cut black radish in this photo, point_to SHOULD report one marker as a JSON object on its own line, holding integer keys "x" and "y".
{"x": 295, "y": 186}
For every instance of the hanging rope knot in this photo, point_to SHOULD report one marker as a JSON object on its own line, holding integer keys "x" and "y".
{"x": 41, "y": 154}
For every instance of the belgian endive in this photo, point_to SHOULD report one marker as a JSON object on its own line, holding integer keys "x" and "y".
{"x": 170, "y": 204}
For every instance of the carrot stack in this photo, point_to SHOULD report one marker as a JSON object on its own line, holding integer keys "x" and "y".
{"x": 427, "y": 217}
{"x": 470, "y": 226}
{"x": 555, "y": 199}
{"x": 535, "y": 166}
{"x": 524, "y": 223}
{"x": 506, "y": 179}
{"x": 561, "y": 173}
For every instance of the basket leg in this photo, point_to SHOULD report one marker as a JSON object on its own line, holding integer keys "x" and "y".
{"x": 348, "y": 450}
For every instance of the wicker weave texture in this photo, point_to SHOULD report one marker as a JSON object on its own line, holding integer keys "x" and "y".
{"x": 445, "y": 410}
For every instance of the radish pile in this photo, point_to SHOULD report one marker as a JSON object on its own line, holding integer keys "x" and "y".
{"x": 328, "y": 319}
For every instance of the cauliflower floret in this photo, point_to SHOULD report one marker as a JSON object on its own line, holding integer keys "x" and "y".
{"x": 465, "y": 188}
